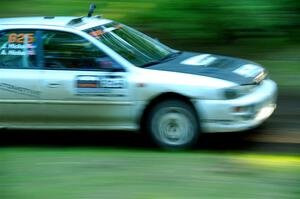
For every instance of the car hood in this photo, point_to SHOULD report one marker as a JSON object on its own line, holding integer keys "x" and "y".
{"x": 236, "y": 70}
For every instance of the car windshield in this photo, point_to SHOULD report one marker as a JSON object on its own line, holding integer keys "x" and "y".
{"x": 134, "y": 46}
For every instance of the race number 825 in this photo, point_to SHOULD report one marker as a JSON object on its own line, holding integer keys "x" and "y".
{"x": 20, "y": 38}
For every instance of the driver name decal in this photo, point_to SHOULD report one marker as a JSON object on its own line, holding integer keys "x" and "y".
{"x": 19, "y": 45}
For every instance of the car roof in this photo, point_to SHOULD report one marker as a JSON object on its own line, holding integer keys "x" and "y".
{"x": 80, "y": 23}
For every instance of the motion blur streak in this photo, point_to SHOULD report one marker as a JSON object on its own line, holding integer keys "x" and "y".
{"x": 265, "y": 31}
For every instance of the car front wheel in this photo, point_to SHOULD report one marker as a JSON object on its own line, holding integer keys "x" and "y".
{"x": 173, "y": 125}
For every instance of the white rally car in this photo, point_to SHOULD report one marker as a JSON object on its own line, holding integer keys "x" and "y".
{"x": 94, "y": 73}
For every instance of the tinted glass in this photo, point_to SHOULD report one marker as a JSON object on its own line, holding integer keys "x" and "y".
{"x": 17, "y": 49}
{"x": 64, "y": 50}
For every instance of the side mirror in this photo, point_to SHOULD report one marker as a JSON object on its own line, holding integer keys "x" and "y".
{"x": 105, "y": 64}
{"x": 110, "y": 66}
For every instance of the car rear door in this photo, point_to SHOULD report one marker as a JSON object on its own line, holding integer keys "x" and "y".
{"x": 83, "y": 87}
{"x": 20, "y": 79}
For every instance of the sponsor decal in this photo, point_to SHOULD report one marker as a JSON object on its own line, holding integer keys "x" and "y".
{"x": 249, "y": 70}
{"x": 99, "y": 85}
{"x": 98, "y": 33}
{"x": 19, "y": 90}
{"x": 200, "y": 60}
{"x": 87, "y": 82}
{"x": 118, "y": 26}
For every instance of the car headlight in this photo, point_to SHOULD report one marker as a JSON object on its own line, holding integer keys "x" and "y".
{"x": 237, "y": 91}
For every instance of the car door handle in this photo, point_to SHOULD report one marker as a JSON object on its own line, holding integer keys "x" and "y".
{"x": 54, "y": 85}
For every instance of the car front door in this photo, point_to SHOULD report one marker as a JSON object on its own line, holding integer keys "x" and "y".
{"x": 83, "y": 87}
{"x": 20, "y": 79}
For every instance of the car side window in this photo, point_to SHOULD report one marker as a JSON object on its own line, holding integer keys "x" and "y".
{"x": 64, "y": 50}
{"x": 18, "y": 49}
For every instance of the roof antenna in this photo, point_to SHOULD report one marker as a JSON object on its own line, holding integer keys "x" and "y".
{"x": 92, "y": 9}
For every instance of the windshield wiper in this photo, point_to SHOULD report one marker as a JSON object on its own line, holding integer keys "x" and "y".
{"x": 170, "y": 56}
{"x": 166, "y": 58}
{"x": 150, "y": 63}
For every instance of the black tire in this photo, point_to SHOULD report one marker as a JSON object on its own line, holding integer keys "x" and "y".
{"x": 173, "y": 125}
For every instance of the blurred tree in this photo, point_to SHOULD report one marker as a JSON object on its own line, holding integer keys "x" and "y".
{"x": 220, "y": 21}
{"x": 198, "y": 21}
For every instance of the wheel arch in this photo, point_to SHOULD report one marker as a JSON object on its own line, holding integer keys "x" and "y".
{"x": 162, "y": 97}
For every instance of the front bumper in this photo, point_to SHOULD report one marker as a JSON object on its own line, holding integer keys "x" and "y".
{"x": 238, "y": 114}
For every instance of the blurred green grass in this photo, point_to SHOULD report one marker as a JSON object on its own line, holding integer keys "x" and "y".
{"x": 35, "y": 173}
